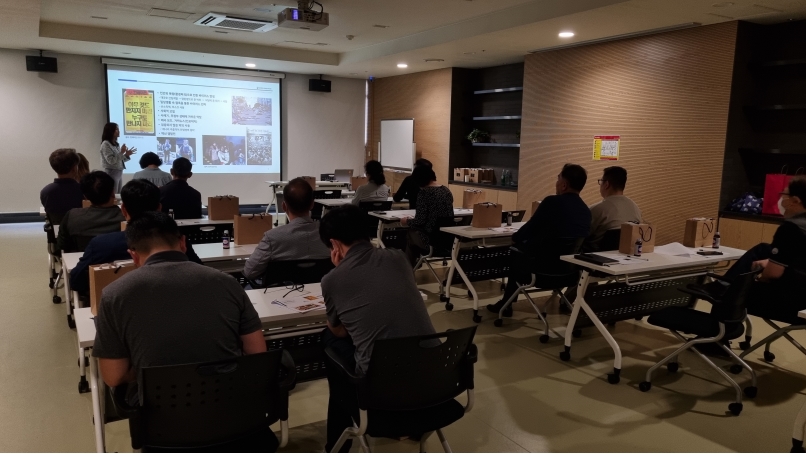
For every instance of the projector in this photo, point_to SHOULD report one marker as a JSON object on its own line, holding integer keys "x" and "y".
{"x": 302, "y": 19}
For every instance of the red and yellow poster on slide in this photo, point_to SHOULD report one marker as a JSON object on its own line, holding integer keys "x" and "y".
{"x": 138, "y": 112}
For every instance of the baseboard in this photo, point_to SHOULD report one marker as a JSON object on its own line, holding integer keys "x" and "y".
{"x": 15, "y": 218}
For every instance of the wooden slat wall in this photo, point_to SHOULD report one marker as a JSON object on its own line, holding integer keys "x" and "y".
{"x": 666, "y": 95}
{"x": 426, "y": 97}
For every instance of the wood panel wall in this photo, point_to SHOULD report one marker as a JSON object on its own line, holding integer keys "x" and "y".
{"x": 666, "y": 95}
{"x": 424, "y": 96}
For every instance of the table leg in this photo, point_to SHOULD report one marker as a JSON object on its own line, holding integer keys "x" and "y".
{"x": 380, "y": 234}
{"x": 69, "y": 297}
{"x": 273, "y": 199}
{"x": 97, "y": 387}
{"x": 582, "y": 286}
{"x": 458, "y": 267}
{"x": 83, "y": 385}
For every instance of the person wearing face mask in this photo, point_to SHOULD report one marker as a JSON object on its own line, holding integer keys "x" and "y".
{"x": 370, "y": 295}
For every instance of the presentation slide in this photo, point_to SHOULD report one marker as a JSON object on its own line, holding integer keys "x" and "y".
{"x": 223, "y": 124}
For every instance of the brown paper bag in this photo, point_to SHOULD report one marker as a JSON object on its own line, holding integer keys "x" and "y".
{"x": 470, "y": 197}
{"x": 699, "y": 232}
{"x": 123, "y": 225}
{"x": 85, "y": 203}
{"x": 311, "y": 181}
{"x": 486, "y": 215}
{"x": 473, "y": 175}
{"x": 486, "y": 176}
{"x": 222, "y": 207}
{"x": 459, "y": 174}
{"x": 250, "y": 228}
{"x": 103, "y": 275}
{"x": 535, "y": 204}
{"x": 356, "y": 182}
{"x": 631, "y": 232}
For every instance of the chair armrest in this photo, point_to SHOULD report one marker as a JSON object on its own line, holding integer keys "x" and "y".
{"x": 287, "y": 363}
{"x": 718, "y": 277}
{"x": 701, "y": 295}
{"x": 343, "y": 367}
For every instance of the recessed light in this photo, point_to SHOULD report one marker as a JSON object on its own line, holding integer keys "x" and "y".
{"x": 566, "y": 34}
{"x": 380, "y": 26}
{"x": 250, "y": 65}
{"x": 99, "y": 17}
{"x": 433, "y": 60}
{"x": 468, "y": 53}
{"x": 402, "y": 65}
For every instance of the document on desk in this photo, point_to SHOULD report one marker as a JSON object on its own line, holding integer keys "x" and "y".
{"x": 676, "y": 249}
{"x": 302, "y": 303}
{"x": 504, "y": 229}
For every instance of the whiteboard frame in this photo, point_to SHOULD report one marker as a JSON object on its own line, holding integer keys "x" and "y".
{"x": 413, "y": 145}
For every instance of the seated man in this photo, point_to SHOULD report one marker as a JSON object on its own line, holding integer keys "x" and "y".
{"x": 64, "y": 193}
{"x": 564, "y": 215}
{"x": 297, "y": 240}
{"x": 103, "y": 216}
{"x": 169, "y": 310}
{"x": 370, "y": 295}
{"x": 137, "y": 197}
{"x": 178, "y": 195}
{"x": 150, "y": 163}
{"x": 614, "y": 210}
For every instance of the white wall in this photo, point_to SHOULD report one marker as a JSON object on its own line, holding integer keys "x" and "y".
{"x": 43, "y": 112}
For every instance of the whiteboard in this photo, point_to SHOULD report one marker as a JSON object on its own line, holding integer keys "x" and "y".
{"x": 397, "y": 144}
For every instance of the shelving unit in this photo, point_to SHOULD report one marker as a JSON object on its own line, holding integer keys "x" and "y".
{"x": 499, "y": 117}
{"x": 497, "y": 90}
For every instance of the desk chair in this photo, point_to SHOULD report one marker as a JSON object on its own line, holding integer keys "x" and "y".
{"x": 548, "y": 273}
{"x": 372, "y": 222}
{"x": 294, "y": 272}
{"x": 54, "y": 278}
{"x": 517, "y": 215}
{"x": 440, "y": 248}
{"x": 724, "y": 323}
{"x": 222, "y": 406}
{"x": 316, "y": 212}
{"x": 411, "y": 387}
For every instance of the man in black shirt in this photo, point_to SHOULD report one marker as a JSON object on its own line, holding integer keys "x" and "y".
{"x": 564, "y": 215}
{"x": 64, "y": 193}
{"x": 409, "y": 188}
{"x": 178, "y": 195}
{"x": 102, "y": 216}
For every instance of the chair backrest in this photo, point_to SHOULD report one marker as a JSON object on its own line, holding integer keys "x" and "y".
{"x": 371, "y": 221}
{"x": 207, "y": 404}
{"x": 327, "y": 194}
{"x": 545, "y": 257}
{"x": 610, "y": 241}
{"x": 443, "y": 242}
{"x": 78, "y": 243}
{"x": 410, "y": 373}
{"x": 517, "y": 215}
{"x": 732, "y": 306}
{"x": 286, "y": 272}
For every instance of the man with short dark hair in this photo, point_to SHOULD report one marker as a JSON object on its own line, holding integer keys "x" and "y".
{"x": 64, "y": 193}
{"x": 370, "y": 295}
{"x": 102, "y": 216}
{"x": 178, "y": 195}
{"x": 170, "y": 311}
{"x": 150, "y": 163}
{"x": 297, "y": 240}
{"x": 564, "y": 215}
{"x": 615, "y": 208}
{"x": 137, "y": 197}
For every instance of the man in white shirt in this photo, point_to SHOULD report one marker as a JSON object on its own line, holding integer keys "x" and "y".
{"x": 614, "y": 210}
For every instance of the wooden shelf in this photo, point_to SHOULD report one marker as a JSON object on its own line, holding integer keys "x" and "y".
{"x": 751, "y": 217}
{"x": 777, "y": 107}
{"x": 774, "y": 150}
{"x": 484, "y": 185}
{"x": 498, "y": 90}
{"x": 501, "y": 145}
{"x": 780, "y": 63}
{"x": 500, "y": 117}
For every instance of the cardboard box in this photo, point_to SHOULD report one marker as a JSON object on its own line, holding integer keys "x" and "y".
{"x": 103, "y": 275}
{"x": 250, "y": 228}
{"x": 486, "y": 215}
{"x": 470, "y": 197}
{"x": 699, "y": 232}
{"x": 356, "y": 182}
{"x": 535, "y": 204}
{"x": 311, "y": 181}
{"x": 223, "y": 207}
{"x": 631, "y": 232}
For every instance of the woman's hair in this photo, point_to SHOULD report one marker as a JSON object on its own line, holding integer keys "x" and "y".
{"x": 423, "y": 175}
{"x": 423, "y": 162}
{"x": 83, "y": 166}
{"x": 150, "y": 159}
{"x": 109, "y": 133}
{"x": 374, "y": 171}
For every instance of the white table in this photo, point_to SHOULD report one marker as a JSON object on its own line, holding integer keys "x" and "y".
{"x": 201, "y": 222}
{"x": 650, "y": 267}
{"x": 275, "y": 185}
{"x": 396, "y": 215}
{"x": 333, "y": 203}
{"x": 70, "y": 261}
{"x": 465, "y": 234}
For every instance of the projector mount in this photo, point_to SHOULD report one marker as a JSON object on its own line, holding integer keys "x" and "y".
{"x": 306, "y": 7}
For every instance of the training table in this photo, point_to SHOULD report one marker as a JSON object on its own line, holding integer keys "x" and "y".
{"x": 393, "y": 217}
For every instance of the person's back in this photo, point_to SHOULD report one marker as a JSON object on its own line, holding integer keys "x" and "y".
{"x": 103, "y": 216}
{"x": 178, "y": 195}
{"x": 614, "y": 209}
{"x": 557, "y": 216}
{"x": 789, "y": 249}
{"x": 64, "y": 193}
{"x": 376, "y": 189}
{"x": 154, "y": 175}
{"x": 410, "y": 187}
{"x": 433, "y": 203}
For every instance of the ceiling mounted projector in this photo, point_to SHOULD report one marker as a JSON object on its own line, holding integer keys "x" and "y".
{"x": 304, "y": 17}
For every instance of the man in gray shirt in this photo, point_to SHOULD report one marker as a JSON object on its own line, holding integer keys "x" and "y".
{"x": 150, "y": 163}
{"x": 370, "y": 295}
{"x": 614, "y": 210}
{"x": 170, "y": 310}
{"x": 103, "y": 216}
{"x": 297, "y": 240}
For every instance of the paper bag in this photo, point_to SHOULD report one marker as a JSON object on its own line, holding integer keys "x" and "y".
{"x": 470, "y": 197}
{"x": 486, "y": 215}
{"x": 222, "y": 207}
{"x": 535, "y": 204}
{"x": 473, "y": 175}
{"x": 311, "y": 181}
{"x": 86, "y": 203}
{"x": 486, "y": 176}
{"x": 699, "y": 232}
{"x": 123, "y": 225}
{"x": 103, "y": 275}
{"x": 459, "y": 174}
{"x": 356, "y": 182}
{"x": 631, "y": 232}
{"x": 250, "y": 228}
{"x": 774, "y": 185}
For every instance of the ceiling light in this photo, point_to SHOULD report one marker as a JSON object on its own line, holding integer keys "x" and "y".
{"x": 433, "y": 60}
{"x": 380, "y": 26}
{"x": 99, "y": 17}
{"x": 402, "y": 65}
{"x": 566, "y": 34}
{"x": 468, "y": 53}
{"x": 250, "y": 65}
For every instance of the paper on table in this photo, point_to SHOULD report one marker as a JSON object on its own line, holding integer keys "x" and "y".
{"x": 302, "y": 303}
{"x": 504, "y": 229}
{"x": 675, "y": 249}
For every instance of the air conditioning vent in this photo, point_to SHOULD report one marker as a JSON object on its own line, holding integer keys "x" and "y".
{"x": 217, "y": 20}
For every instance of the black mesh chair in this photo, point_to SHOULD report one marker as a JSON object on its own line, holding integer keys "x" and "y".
{"x": 517, "y": 215}
{"x": 411, "y": 386}
{"x": 440, "y": 246}
{"x": 548, "y": 273}
{"x": 722, "y": 324}
{"x": 222, "y": 406}
{"x": 294, "y": 272}
{"x": 55, "y": 279}
{"x": 372, "y": 222}
{"x": 316, "y": 212}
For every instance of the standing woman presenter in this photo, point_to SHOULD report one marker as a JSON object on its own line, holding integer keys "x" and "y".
{"x": 114, "y": 156}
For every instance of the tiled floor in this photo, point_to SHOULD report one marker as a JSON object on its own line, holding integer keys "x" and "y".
{"x": 526, "y": 398}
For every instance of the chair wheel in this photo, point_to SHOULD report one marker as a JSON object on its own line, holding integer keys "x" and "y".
{"x": 70, "y": 322}
{"x": 57, "y": 299}
{"x": 499, "y": 322}
{"x": 744, "y": 345}
{"x": 769, "y": 356}
{"x": 645, "y": 386}
{"x": 736, "y": 369}
{"x": 503, "y": 287}
{"x": 735, "y": 408}
{"x": 544, "y": 338}
{"x": 751, "y": 391}
{"x": 443, "y": 298}
{"x": 50, "y": 284}
{"x": 83, "y": 386}
{"x": 476, "y": 318}
{"x": 576, "y": 333}
{"x": 797, "y": 447}
{"x": 565, "y": 356}
{"x": 613, "y": 379}
{"x": 673, "y": 367}
{"x": 448, "y": 306}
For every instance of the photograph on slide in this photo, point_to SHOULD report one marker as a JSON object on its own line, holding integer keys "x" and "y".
{"x": 166, "y": 149}
{"x": 186, "y": 148}
{"x": 251, "y": 110}
{"x": 224, "y": 150}
{"x": 258, "y": 147}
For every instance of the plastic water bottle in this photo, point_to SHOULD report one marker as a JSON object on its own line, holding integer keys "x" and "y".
{"x": 225, "y": 242}
{"x": 639, "y": 247}
{"x": 171, "y": 213}
{"x": 717, "y": 240}
{"x": 509, "y": 218}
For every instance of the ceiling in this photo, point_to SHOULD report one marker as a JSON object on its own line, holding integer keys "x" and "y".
{"x": 462, "y": 33}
